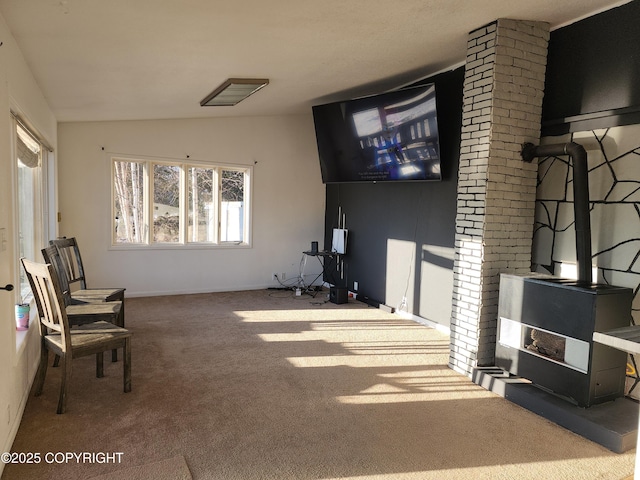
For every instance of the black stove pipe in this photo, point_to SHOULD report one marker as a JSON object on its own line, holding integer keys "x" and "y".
{"x": 580, "y": 197}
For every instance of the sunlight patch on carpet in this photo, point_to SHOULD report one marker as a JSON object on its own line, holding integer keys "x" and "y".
{"x": 355, "y": 361}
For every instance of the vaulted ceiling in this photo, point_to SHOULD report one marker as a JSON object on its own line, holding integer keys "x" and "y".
{"x": 150, "y": 59}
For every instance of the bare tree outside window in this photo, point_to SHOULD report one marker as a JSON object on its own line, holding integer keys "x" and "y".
{"x": 166, "y": 203}
{"x": 212, "y": 198}
{"x": 128, "y": 179}
{"x": 202, "y": 214}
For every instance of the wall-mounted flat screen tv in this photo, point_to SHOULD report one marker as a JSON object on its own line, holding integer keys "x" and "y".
{"x": 392, "y": 136}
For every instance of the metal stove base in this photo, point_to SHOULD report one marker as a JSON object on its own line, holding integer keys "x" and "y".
{"x": 614, "y": 425}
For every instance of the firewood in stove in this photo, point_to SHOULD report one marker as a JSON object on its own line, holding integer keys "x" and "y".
{"x": 547, "y": 344}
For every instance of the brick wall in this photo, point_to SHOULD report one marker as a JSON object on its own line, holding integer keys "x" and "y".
{"x": 503, "y": 90}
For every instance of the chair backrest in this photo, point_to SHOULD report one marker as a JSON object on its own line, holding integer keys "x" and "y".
{"x": 71, "y": 260}
{"x": 46, "y": 290}
{"x": 51, "y": 256}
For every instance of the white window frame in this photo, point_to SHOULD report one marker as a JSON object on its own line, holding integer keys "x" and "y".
{"x": 148, "y": 204}
{"x": 40, "y": 204}
{"x": 44, "y": 199}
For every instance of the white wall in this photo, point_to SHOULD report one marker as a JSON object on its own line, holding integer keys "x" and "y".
{"x": 19, "y": 92}
{"x": 287, "y": 196}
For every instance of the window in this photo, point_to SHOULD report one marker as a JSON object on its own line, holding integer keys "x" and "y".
{"x": 30, "y": 197}
{"x": 166, "y": 203}
{"x": 202, "y": 187}
{"x": 232, "y": 205}
{"x": 128, "y": 183}
{"x": 173, "y": 203}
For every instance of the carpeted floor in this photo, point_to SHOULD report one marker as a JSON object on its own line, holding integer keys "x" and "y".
{"x": 171, "y": 469}
{"x": 266, "y": 385}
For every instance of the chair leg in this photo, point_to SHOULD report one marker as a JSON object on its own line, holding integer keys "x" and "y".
{"x": 64, "y": 386}
{"x": 120, "y": 323}
{"x": 99, "y": 365}
{"x": 120, "y": 319}
{"x": 42, "y": 370}
{"x": 126, "y": 354}
{"x": 56, "y": 361}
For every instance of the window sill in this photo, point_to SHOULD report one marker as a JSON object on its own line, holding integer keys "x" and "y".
{"x": 22, "y": 337}
{"x": 180, "y": 246}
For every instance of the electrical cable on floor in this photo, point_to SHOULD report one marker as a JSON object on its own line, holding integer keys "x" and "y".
{"x": 293, "y": 285}
{"x": 302, "y": 266}
{"x": 286, "y": 286}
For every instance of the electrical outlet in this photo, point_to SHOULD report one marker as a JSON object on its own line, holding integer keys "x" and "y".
{"x": 355, "y": 286}
{"x": 283, "y": 276}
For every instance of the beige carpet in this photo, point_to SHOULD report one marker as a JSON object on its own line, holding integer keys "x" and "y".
{"x": 266, "y": 385}
{"x": 171, "y": 469}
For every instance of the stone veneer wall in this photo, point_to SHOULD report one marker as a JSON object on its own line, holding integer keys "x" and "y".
{"x": 503, "y": 90}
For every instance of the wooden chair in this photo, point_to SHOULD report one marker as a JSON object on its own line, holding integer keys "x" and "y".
{"x": 85, "y": 309}
{"x": 51, "y": 255}
{"x": 72, "y": 262}
{"x": 69, "y": 343}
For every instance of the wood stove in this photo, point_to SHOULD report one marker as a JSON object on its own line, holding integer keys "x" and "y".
{"x": 545, "y": 334}
{"x": 546, "y": 323}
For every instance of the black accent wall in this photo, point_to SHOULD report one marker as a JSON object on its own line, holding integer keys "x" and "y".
{"x": 593, "y": 73}
{"x": 422, "y": 213}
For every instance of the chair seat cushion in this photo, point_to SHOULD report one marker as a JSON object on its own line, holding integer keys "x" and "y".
{"x": 85, "y": 337}
{"x": 106, "y": 294}
{"x": 80, "y": 312}
{"x": 94, "y": 308}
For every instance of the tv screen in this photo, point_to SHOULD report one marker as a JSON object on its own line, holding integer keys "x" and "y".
{"x": 392, "y": 136}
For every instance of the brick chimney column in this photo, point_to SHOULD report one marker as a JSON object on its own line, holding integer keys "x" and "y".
{"x": 503, "y": 90}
